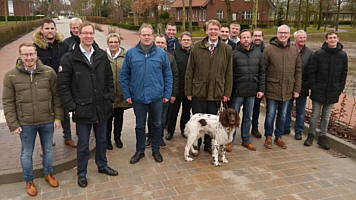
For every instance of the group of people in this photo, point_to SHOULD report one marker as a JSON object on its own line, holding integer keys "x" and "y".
{"x": 230, "y": 67}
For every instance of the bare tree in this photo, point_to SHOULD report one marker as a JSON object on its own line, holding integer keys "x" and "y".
{"x": 287, "y": 13}
{"x": 183, "y": 15}
{"x": 306, "y": 21}
{"x": 228, "y": 11}
{"x": 299, "y": 13}
{"x": 320, "y": 14}
{"x": 255, "y": 13}
{"x": 5, "y": 10}
{"x": 190, "y": 16}
{"x": 337, "y": 16}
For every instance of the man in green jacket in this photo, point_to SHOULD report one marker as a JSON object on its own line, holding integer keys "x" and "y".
{"x": 208, "y": 78}
{"x": 31, "y": 105}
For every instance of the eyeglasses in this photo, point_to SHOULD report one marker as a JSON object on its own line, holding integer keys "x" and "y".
{"x": 113, "y": 42}
{"x": 87, "y": 33}
{"x": 26, "y": 55}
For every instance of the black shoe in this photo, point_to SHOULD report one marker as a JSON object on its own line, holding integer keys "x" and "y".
{"x": 118, "y": 143}
{"x": 169, "y": 136}
{"x": 207, "y": 149}
{"x": 256, "y": 133}
{"x": 109, "y": 146}
{"x": 162, "y": 143}
{"x": 82, "y": 181}
{"x": 157, "y": 156}
{"x": 309, "y": 140}
{"x": 298, "y": 136}
{"x": 323, "y": 142}
{"x": 286, "y": 133}
{"x": 148, "y": 141}
{"x": 108, "y": 171}
{"x": 135, "y": 158}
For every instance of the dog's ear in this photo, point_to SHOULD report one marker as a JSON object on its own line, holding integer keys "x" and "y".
{"x": 237, "y": 120}
{"x": 224, "y": 118}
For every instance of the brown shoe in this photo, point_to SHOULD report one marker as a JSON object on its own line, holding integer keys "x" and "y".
{"x": 256, "y": 133}
{"x": 279, "y": 142}
{"x": 31, "y": 188}
{"x": 268, "y": 142}
{"x": 70, "y": 143}
{"x": 229, "y": 147}
{"x": 249, "y": 146}
{"x": 51, "y": 180}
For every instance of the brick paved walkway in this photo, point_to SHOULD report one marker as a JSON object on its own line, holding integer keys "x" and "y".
{"x": 293, "y": 174}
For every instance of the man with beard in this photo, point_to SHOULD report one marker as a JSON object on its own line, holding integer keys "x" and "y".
{"x": 224, "y": 35}
{"x": 208, "y": 79}
{"x": 327, "y": 78}
{"x": 74, "y": 32}
{"x": 50, "y": 48}
{"x": 257, "y": 39}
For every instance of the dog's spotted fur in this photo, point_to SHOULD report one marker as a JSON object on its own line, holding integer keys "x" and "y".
{"x": 220, "y": 128}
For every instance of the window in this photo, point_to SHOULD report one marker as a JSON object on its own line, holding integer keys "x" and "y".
{"x": 220, "y": 14}
{"x": 234, "y": 16}
{"x": 247, "y": 15}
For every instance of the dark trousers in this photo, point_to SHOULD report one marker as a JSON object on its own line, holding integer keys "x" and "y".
{"x": 66, "y": 125}
{"x": 173, "y": 114}
{"x": 118, "y": 116}
{"x": 154, "y": 110}
{"x": 208, "y": 107}
{"x": 83, "y": 146}
{"x": 256, "y": 113}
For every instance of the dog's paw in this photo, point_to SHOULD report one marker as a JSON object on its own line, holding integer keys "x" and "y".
{"x": 195, "y": 153}
{"x": 216, "y": 164}
{"x": 224, "y": 160}
{"x": 188, "y": 159}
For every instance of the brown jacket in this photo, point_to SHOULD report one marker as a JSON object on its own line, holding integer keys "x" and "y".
{"x": 209, "y": 77}
{"x": 283, "y": 70}
{"x": 30, "y": 99}
{"x": 116, "y": 64}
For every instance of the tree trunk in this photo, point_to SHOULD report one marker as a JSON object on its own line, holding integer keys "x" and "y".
{"x": 299, "y": 14}
{"x": 5, "y": 10}
{"x": 228, "y": 12}
{"x": 320, "y": 14}
{"x": 190, "y": 16}
{"x": 287, "y": 13}
{"x": 183, "y": 16}
{"x": 306, "y": 21}
{"x": 337, "y": 16}
{"x": 255, "y": 14}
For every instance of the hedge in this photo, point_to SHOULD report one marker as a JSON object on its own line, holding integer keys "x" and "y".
{"x": 20, "y": 18}
{"x": 11, "y": 32}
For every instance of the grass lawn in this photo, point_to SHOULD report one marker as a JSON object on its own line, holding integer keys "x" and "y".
{"x": 2, "y": 23}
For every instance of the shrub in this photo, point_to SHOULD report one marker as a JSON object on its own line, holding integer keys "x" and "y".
{"x": 11, "y": 32}
{"x": 20, "y": 18}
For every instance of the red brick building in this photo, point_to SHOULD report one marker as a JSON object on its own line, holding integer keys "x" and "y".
{"x": 204, "y": 10}
{"x": 17, "y": 7}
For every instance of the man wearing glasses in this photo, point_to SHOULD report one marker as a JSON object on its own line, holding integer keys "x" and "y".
{"x": 86, "y": 88}
{"x": 283, "y": 81}
{"x": 31, "y": 105}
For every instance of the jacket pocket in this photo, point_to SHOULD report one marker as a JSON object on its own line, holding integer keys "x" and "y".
{"x": 219, "y": 89}
{"x": 84, "y": 109}
{"x": 199, "y": 89}
{"x": 272, "y": 85}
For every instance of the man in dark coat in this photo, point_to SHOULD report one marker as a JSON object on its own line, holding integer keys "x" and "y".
{"x": 327, "y": 78}
{"x": 300, "y": 38}
{"x": 224, "y": 36}
{"x": 50, "y": 47}
{"x": 181, "y": 56}
{"x": 74, "y": 32}
{"x": 249, "y": 82}
{"x": 85, "y": 86}
{"x": 172, "y": 41}
{"x": 257, "y": 39}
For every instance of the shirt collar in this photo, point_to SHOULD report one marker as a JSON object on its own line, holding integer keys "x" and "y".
{"x": 88, "y": 56}
{"x": 215, "y": 43}
{"x": 111, "y": 56}
{"x": 30, "y": 70}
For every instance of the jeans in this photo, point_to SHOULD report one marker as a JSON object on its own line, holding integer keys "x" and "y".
{"x": 325, "y": 115}
{"x": 83, "y": 146}
{"x": 173, "y": 113}
{"x": 256, "y": 113}
{"x": 247, "y": 103}
{"x": 300, "y": 114}
{"x": 272, "y": 107}
{"x": 66, "y": 125}
{"x": 208, "y": 107}
{"x": 118, "y": 117}
{"x": 28, "y": 138}
{"x": 163, "y": 119}
{"x": 154, "y": 111}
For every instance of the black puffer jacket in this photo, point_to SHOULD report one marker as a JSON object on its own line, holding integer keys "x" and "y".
{"x": 181, "y": 55}
{"x": 175, "y": 74}
{"x": 328, "y": 71}
{"x": 306, "y": 55}
{"x": 87, "y": 89}
{"x": 71, "y": 41}
{"x": 249, "y": 72}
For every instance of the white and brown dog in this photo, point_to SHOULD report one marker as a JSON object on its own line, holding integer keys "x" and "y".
{"x": 219, "y": 127}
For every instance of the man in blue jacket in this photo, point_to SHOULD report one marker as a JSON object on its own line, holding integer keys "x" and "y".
{"x": 146, "y": 82}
